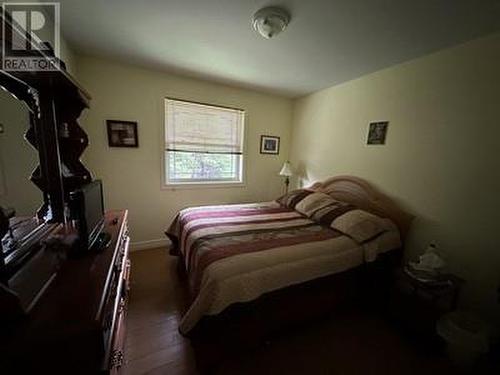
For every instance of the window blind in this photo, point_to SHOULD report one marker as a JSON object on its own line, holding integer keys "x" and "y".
{"x": 200, "y": 128}
{"x": 203, "y": 143}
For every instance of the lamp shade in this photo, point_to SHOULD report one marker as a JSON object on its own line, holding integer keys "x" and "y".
{"x": 286, "y": 170}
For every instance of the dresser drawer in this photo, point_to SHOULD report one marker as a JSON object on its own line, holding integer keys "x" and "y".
{"x": 114, "y": 319}
{"x": 117, "y": 357}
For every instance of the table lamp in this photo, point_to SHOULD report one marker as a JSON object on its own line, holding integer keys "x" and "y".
{"x": 286, "y": 171}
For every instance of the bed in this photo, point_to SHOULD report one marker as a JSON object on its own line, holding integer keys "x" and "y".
{"x": 248, "y": 265}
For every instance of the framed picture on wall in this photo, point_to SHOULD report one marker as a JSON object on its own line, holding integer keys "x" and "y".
{"x": 377, "y": 132}
{"x": 269, "y": 144}
{"x": 122, "y": 133}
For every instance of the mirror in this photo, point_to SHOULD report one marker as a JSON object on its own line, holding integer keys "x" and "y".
{"x": 18, "y": 159}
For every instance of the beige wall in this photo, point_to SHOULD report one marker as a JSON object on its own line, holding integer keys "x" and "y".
{"x": 67, "y": 55}
{"x": 132, "y": 177}
{"x": 441, "y": 159}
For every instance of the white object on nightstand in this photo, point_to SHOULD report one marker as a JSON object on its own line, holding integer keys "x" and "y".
{"x": 431, "y": 261}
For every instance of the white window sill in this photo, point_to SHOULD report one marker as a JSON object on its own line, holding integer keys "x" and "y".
{"x": 202, "y": 185}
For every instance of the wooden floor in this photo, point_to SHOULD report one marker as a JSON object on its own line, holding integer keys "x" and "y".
{"x": 154, "y": 345}
{"x": 356, "y": 343}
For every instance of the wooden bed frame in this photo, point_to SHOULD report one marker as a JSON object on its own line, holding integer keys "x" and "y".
{"x": 245, "y": 325}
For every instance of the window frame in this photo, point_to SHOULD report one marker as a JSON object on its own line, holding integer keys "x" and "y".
{"x": 167, "y": 184}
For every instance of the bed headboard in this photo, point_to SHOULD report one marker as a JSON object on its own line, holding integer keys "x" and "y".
{"x": 359, "y": 192}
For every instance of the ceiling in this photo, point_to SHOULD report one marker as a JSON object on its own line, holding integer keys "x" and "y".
{"x": 326, "y": 43}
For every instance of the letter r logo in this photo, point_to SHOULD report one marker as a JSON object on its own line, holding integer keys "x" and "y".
{"x": 32, "y": 21}
{"x": 38, "y": 23}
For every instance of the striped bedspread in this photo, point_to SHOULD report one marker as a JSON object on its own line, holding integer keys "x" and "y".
{"x": 204, "y": 235}
{"x": 236, "y": 253}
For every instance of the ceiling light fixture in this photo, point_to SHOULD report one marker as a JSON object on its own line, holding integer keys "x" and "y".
{"x": 270, "y": 21}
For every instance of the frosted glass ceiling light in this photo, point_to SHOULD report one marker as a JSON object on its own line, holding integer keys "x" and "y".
{"x": 270, "y": 21}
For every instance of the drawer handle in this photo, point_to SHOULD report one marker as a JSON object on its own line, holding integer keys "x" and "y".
{"x": 117, "y": 358}
{"x": 121, "y": 306}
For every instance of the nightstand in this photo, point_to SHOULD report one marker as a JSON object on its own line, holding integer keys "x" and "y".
{"x": 417, "y": 306}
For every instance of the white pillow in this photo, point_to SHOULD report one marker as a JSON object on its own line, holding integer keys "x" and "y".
{"x": 360, "y": 225}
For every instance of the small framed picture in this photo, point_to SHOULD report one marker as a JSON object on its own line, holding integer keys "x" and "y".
{"x": 377, "y": 132}
{"x": 269, "y": 144}
{"x": 122, "y": 133}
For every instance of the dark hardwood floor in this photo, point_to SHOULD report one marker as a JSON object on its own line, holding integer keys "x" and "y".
{"x": 154, "y": 345}
{"x": 353, "y": 343}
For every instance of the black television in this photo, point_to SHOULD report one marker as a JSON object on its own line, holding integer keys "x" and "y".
{"x": 87, "y": 211}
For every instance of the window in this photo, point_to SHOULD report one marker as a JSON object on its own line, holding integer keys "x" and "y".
{"x": 203, "y": 143}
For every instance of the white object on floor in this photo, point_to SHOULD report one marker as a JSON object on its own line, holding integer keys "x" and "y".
{"x": 466, "y": 337}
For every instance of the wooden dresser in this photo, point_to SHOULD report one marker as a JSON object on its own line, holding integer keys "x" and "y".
{"x": 78, "y": 326}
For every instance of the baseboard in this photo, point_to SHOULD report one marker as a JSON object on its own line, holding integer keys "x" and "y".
{"x": 150, "y": 244}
